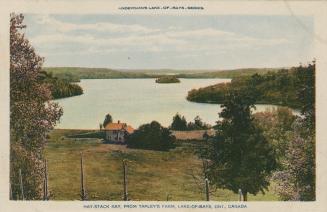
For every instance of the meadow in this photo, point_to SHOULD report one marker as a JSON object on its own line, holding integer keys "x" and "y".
{"x": 152, "y": 175}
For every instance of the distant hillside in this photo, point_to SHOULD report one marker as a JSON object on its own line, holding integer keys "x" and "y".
{"x": 230, "y": 73}
{"x": 76, "y": 73}
{"x": 93, "y": 73}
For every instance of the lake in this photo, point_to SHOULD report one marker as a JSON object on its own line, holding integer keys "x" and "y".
{"x": 136, "y": 101}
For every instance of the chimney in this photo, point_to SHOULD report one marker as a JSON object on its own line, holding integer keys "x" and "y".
{"x": 118, "y": 121}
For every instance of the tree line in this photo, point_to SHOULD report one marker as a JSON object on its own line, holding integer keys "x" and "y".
{"x": 60, "y": 87}
{"x": 179, "y": 123}
{"x": 278, "y": 88}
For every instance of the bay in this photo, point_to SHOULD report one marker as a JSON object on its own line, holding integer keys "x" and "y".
{"x": 136, "y": 102}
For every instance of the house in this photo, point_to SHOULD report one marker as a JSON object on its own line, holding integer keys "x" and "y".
{"x": 117, "y": 132}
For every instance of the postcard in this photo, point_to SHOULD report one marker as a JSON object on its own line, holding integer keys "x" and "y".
{"x": 163, "y": 105}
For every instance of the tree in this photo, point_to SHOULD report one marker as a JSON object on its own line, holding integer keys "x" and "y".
{"x": 107, "y": 120}
{"x": 151, "y": 136}
{"x": 307, "y": 93}
{"x": 296, "y": 180}
{"x": 277, "y": 126}
{"x": 179, "y": 123}
{"x": 198, "y": 121}
{"x": 239, "y": 156}
{"x": 205, "y": 136}
{"x": 32, "y": 114}
{"x": 198, "y": 124}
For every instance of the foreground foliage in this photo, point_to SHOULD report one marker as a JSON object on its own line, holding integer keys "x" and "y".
{"x": 277, "y": 126}
{"x": 293, "y": 139}
{"x": 296, "y": 177}
{"x": 294, "y": 145}
{"x": 32, "y": 114}
{"x": 239, "y": 156}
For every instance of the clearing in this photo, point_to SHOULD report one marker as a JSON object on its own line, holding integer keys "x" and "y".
{"x": 152, "y": 175}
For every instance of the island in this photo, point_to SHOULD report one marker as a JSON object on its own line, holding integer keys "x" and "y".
{"x": 167, "y": 79}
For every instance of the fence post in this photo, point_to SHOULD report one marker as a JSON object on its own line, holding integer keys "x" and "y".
{"x": 10, "y": 192}
{"x": 125, "y": 180}
{"x": 21, "y": 184}
{"x": 205, "y": 168}
{"x": 240, "y": 194}
{"x": 45, "y": 182}
{"x": 167, "y": 196}
{"x": 207, "y": 189}
{"x": 83, "y": 191}
{"x": 206, "y": 181}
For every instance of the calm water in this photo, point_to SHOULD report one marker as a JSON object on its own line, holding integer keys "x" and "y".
{"x": 136, "y": 101}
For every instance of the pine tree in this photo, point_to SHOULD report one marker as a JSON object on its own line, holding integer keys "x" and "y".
{"x": 240, "y": 156}
{"x": 179, "y": 123}
{"x": 107, "y": 120}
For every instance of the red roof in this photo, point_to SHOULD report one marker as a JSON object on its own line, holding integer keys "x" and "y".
{"x": 129, "y": 129}
{"x": 119, "y": 126}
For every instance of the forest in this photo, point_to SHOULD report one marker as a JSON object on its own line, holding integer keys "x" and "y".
{"x": 61, "y": 87}
{"x": 278, "y": 88}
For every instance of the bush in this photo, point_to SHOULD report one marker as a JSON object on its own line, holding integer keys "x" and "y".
{"x": 151, "y": 136}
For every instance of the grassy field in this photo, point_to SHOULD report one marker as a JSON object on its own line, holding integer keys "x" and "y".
{"x": 192, "y": 135}
{"x": 152, "y": 175}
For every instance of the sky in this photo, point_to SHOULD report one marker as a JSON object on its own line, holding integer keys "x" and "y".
{"x": 171, "y": 42}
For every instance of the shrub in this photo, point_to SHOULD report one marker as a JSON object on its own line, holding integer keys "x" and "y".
{"x": 151, "y": 136}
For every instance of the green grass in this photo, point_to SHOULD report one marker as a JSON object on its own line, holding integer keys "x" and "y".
{"x": 151, "y": 174}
